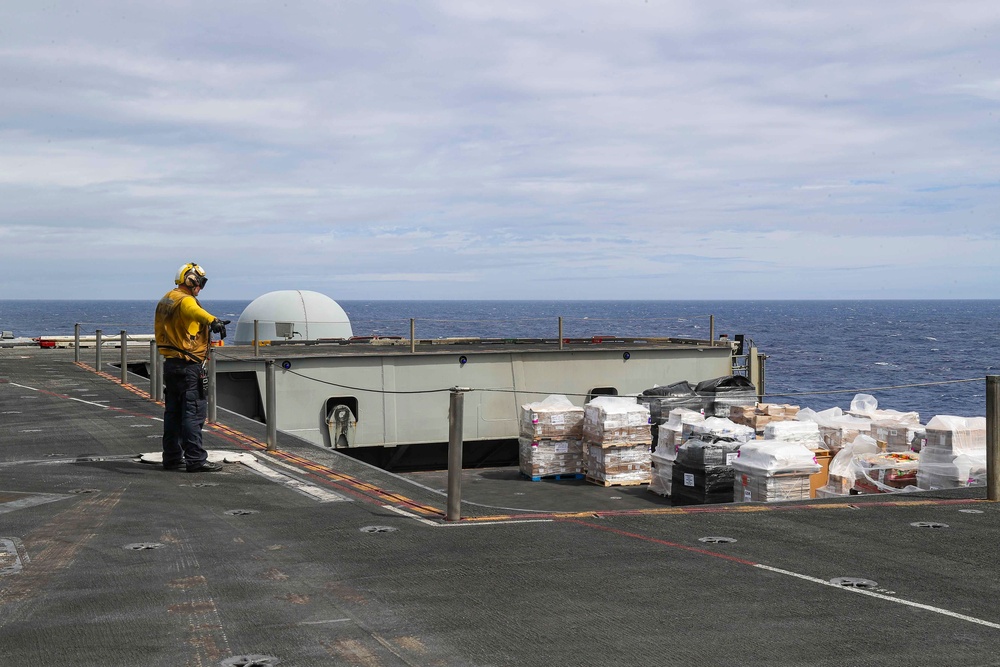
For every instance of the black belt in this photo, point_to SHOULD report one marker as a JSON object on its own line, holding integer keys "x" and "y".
{"x": 190, "y": 357}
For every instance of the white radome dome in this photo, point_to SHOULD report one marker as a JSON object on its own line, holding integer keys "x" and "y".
{"x": 292, "y": 315}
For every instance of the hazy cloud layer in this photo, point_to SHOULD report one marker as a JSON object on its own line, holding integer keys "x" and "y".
{"x": 524, "y": 150}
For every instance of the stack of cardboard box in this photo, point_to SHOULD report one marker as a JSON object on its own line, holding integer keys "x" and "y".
{"x": 954, "y": 454}
{"x": 760, "y": 415}
{"x": 550, "y": 441}
{"x": 769, "y": 471}
{"x": 616, "y": 440}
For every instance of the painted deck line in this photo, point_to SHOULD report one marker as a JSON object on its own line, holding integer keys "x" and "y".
{"x": 735, "y": 508}
{"x": 796, "y": 575}
{"x": 463, "y": 522}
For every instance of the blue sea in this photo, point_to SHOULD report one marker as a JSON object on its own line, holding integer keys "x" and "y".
{"x": 820, "y": 353}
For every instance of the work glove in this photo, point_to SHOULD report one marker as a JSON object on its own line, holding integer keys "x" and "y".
{"x": 219, "y": 326}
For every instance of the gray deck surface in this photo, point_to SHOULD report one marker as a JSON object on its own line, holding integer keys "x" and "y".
{"x": 536, "y": 573}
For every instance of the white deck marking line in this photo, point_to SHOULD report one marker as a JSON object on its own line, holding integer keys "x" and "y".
{"x": 78, "y": 400}
{"x": 880, "y": 596}
{"x": 456, "y": 524}
{"x": 332, "y": 620}
{"x": 314, "y": 492}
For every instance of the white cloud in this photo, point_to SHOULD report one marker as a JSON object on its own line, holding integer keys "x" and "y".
{"x": 480, "y": 149}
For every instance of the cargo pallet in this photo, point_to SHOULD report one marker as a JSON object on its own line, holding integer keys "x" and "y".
{"x": 601, "y": 482}
{"x": 559, "y": 476}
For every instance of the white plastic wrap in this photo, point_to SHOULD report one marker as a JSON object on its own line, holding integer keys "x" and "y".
{"x": 836, "y": 428}
{"x": 661, "y": 473}
{"x": 896, "y": 436}
{"x": 616, "y": 420}
{"x": 769, "y": 457}
{"x": 865, "y": 405}
{"x": 545, "y": 458}
{"x": 670, "y": 433}
{"x": 554, "y": 417}
{"x": 681, "y": 416}
{"x": 887, "y": 472}
{"x": 954, "y": 453}
{"x": 618, "y": 464}
{"x": 844, "y": 469}
{"x": 956, "y": 434}
{"x": 802, "y": 432}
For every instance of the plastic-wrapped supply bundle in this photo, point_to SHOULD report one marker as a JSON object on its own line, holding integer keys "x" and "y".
{"x": 703, "y": 471}
{"x": 725, "y": 392}
{"x": 662, "y": 469}
{"x": 616, "y": 420}
{"x": 887, "y": 472}
{"x": 708, "y": 452}
{"x": 805, "y": 433}
{"x": 617, "y": 464}
{"x": 865, "y": 405}
{"x": 547, "y": 458}
{"x": 760, "y": 415}
{"x": 670, "y": 433}
{"x": 954, "y": 453}
{"x": 772, "y": 471}
{"x": 719, "y": 428}
{"x": 895, "y": 436}
{"x": 554, "y": 418}
{"x": 836, "y": 428}
{"x": 845, "y": 469}
{"x": 662, "y": 400}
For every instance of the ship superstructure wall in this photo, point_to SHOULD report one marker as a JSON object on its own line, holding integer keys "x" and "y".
{"x": 394, "y": 402}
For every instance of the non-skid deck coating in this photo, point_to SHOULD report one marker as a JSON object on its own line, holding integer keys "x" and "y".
{"x": 311, "y": 558}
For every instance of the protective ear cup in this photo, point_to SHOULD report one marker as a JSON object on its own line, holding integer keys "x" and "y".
{"x": 193, "y": 275}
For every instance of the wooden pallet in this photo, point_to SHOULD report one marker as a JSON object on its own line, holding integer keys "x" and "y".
{"x": 564, "y": 475}
{"x": 601, "y": 482}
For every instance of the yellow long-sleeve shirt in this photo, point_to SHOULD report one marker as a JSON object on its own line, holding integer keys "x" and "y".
{"x": 182, "y": 323}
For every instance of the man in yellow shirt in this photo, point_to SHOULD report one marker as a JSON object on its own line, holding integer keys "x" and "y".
{"x": 183, "y": 329}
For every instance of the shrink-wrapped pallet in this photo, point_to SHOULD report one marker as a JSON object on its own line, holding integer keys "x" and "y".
{"x": 953, "y": 453}
{"x": 865, "y": 405}
{"x": 805, "y": 433}
{"x": 725, "y": 392}
{"x": 662, "y": 400}
{"x": 772, "y": 471}
{"x": 844, "y": 468}
{"x": 661, "y": 470}
{"x": 618, "y": 464}
{"x": 896, "y": 436}
{"x": 547, "y": 458}
{"x": 760, "y": 415}
{"x": 886, "y": 472}
{"x": 716, "y": 427}
{"x": 703, "y": 470}
{"x": 554, "y": 418}
{"x": 670, "y": 432}
{"x": 837, "y": 428}
{"x": 616, "y": 420}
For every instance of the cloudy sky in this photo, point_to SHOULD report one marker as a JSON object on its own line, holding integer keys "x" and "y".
{"x": 565, "y": 149}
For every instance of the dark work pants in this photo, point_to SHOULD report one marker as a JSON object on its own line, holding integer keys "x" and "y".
{"x": 183, "y": 414}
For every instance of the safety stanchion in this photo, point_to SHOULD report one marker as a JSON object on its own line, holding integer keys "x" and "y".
{"x": 153, "y": 368}
{"x": 99, "y": 335}
{"x": 124, "y": 356}
{"x": 270, "y": 406}
{"x": 992, "y": 437}
{"x": 456, "y": 410}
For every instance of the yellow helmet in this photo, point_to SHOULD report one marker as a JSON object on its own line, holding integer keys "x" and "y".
{"x": 191, "y": 275}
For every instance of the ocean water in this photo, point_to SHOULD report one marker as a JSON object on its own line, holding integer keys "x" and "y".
{"x": 820, "y": 353}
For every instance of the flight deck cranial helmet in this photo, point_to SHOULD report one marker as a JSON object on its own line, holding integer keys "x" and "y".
{"x": 191, "y": 275}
